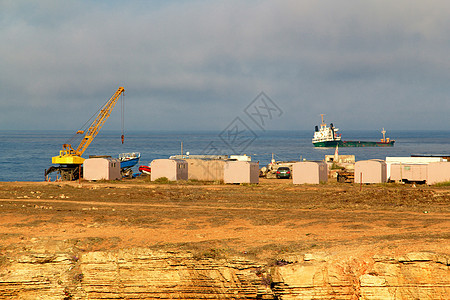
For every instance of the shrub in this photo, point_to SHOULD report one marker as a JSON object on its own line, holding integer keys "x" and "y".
{"x": 335, "y": 166}
{"x": 162, "y": 180}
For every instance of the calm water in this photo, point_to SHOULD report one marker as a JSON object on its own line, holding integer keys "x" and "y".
{"x": 26, "y": 154}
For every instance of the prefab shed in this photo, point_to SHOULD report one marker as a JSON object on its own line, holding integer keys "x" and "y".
{"x": 311, "y": 172}
{"x": 206, "y": 169}
{"x": 172, "y": 169}
{"x": 241, "y": 172}
{"x": 409, "y": 161}
{"x": 438, "y": 172}
{"x": 370, "y": 171}
{"x": 409, "y": 172}
{"x": 101, "y": 169}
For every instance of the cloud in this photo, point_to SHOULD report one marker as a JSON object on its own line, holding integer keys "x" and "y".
{"x": 197, "y": 64}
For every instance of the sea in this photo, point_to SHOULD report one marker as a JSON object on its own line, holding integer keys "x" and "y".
{"x": 24, "y": 155}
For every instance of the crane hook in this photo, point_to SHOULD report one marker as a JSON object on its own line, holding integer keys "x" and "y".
{"x": 122, "y": 137}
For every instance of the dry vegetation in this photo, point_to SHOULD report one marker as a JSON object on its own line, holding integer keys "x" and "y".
{"x": 215, "y": 219}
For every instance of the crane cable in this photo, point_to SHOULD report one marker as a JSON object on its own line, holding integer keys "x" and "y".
{"x": 122, "y": 137}
{"x": 88, "y": 122}
{"x": 85, "y": 126}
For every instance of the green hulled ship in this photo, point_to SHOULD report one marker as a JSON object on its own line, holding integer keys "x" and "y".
{"x": 328, "y": 137}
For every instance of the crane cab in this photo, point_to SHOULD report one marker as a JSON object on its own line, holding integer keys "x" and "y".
{"x": 68, "y": 156}
{"x": 67, "y": 160}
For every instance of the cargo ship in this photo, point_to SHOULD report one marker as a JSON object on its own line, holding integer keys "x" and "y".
{"x": 328, "y": 137}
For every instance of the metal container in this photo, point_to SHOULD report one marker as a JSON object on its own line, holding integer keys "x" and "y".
{"x": 172, "y": 169}
{"x": 241, "y": 172}
{"x": 310, "y": 172}
{"x": 438, "y": 172}
{"x": 409, "y": 172}
{"x": 409, "y": 160}
{"x": 370, "y": 171}
{"x": 101, "y": 169}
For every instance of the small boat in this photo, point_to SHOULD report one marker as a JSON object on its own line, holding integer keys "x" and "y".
{"x": 145, "y": 169}
{"x": 328, "y": 137}
{"x": 129, "y": 160}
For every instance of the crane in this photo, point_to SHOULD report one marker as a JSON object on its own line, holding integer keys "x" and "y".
{"x": 69, "y": 159}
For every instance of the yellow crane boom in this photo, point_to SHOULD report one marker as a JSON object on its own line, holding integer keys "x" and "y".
{"x": 98, "y": 123}
{"x": 71, "y": 157}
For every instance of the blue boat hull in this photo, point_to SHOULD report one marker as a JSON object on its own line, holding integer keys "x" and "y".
{"x": 129, "y": 163}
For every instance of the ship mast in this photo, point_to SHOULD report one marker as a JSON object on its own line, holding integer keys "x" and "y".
{"x": 384, "y": 135}
{"x": 322, "y": 124}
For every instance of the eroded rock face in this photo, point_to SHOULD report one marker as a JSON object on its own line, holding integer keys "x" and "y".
{"x": 131, "y": 274}
{"x": 418, "y": 275}
{"x": 148, "y": 274}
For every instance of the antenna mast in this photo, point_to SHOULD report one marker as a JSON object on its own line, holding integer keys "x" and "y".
{"x": 323, "y": 124}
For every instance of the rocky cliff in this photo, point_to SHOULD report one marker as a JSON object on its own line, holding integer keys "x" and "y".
{"x": 139, "y": 273}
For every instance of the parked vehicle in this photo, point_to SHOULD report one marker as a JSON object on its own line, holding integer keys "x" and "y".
{"x": 284, "y": 172}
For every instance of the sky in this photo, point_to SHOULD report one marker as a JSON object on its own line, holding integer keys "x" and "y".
{"x": 197, "y": 65}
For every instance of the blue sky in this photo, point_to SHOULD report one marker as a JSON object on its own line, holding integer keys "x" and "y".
{"x": 198, "y": 64}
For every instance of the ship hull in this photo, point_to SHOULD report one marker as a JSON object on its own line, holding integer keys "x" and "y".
{"x": 129, "y": 163}
{"x": 333, "y": 144}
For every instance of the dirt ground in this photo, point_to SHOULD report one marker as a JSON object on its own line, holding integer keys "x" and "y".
{"x": 265, "y": 220}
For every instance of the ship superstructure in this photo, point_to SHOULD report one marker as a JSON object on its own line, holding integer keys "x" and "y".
{"x": 325, "y": 133}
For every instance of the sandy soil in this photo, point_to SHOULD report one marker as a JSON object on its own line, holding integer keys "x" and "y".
{"x": 257, "y": 220}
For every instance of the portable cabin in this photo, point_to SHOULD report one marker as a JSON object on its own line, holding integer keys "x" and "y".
{"x": 409, "y": 172}
{"x": 409, "y": 160}
{"x": 438, "y": 172}
{"x": 172, "y": 169}
{"x": 370, "y": 171}
{"x": 241, "y": 172}
{"x": 310, "y": 172}
{"x": 206, "y": 169}
{"x": 101, "y": 169}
